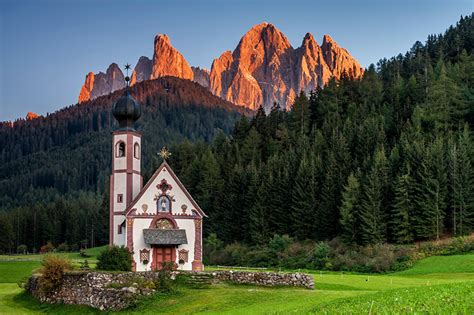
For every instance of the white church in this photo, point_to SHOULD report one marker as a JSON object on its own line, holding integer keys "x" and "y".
{"x": 158, "y": 222}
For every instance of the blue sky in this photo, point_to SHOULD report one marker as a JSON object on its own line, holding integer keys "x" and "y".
{"x": 48, "y": 46}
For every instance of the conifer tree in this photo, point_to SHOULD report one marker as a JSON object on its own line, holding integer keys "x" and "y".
{"x": 403, "y": 205}
{"x": 373, "y": 216}
{"x": 350, "y": 210}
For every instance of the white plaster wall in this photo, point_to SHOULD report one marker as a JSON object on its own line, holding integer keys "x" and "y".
{"x": 120, "y": 187}
{"x": 188, "y": 225}
{"x": 139, "y": 243}
{"x": 179, "y": 196}
{"x": 136, "y": 162}
{"x": 120, "y": 163}
{"x": 119, "y": 239}
{"x": 136, "y": 184}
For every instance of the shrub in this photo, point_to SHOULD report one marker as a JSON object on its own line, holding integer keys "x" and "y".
{"x": 83, "y": 253}
{"x": 85, "y": 265}
{"x": 115, "y": 258}
{"x": 164, "y": 283}
{"x": 63, "y": 247}
{"x": 321, "y": 255}
{"x": 21, "y": 249}
{"x": 52, "y": 272}
{"x": 47, "y": 248}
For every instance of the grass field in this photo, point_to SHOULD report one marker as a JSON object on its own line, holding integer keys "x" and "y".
{"x": 443, "y": 284}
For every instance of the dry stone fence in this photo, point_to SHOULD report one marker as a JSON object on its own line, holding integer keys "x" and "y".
{"x": 117, "y": 291}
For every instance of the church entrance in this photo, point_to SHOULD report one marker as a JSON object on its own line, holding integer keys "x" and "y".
{"x": 163, "y": 254}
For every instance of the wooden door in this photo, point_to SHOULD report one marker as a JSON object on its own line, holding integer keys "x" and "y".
{"x": 163, "y": 254}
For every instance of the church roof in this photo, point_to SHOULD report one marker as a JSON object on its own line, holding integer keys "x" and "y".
{"x": 165, "y": 237}
{"x": 171, "y": 172}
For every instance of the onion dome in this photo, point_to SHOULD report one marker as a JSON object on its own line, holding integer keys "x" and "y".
{"x": 126, "y": 110}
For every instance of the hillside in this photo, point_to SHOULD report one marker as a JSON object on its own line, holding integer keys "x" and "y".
{"x": 67, "y": 153}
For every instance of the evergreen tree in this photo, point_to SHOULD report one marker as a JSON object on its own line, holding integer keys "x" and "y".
{"x": 350, "y": 210}
{"x": 373, "y": 216}
{"x": 403, "y": 205}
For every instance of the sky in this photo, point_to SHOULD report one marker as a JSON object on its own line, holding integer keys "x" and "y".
{"x": 48, "y": 46}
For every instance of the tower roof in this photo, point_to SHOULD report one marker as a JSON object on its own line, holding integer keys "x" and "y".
{"x": 126, "y": 110}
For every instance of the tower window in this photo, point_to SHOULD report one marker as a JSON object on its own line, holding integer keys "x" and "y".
{"x": 119, "y": 198}
{"x": 120, "y": 151}
{"x": 136, "y": 150}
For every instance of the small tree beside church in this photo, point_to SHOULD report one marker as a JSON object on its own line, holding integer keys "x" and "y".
{"x": 115, "y": 258}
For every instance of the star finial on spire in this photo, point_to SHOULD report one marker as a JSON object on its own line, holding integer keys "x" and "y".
{"x": 164, "y": 153}
{"x": 127, "y": 78}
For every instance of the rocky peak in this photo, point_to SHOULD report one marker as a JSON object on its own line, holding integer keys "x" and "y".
{"x": 31, "y": 116}
{"x": 201, "y": 76}
{"x": 142, "y": 70}
{"x": 339, "y": 59}
{"x": 100, "y": 84}
{"x": 168, "y": 61}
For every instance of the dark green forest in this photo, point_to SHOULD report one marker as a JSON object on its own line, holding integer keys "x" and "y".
{"x": 54, "y": 170}
{"x": 387, "y": 158}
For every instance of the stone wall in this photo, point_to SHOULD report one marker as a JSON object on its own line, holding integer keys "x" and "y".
{"x": 116, "y": 291}
{"x": 92, "y": 289}
{"x": 266, "y": 278}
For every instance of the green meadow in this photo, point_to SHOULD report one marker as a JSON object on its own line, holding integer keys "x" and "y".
{"x": 436, "y": 285}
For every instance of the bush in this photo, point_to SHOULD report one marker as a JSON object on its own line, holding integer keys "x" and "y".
{"x": 115, "y": 258}
{"x": 21, "y": 249}
{"x": 52, "y": 272}
{"x": 48, "y": 248}
{"x": 63, "y": 247}
{"x": 84, "y": 254}
{"x": 164, "y": 283}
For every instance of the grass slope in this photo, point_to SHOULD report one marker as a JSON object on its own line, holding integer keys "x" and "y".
{"x": 434, "y": 285}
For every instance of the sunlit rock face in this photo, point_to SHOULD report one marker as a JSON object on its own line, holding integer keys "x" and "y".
{"x": 262, "y": 70}
{"x": 168, "y": 61}
{"x": 31, "y": 116}
{"x": 100, "y": 84}
{"x": 265, "y": 69}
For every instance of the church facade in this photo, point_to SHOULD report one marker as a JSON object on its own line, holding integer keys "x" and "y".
{"x": 159, "y": 222}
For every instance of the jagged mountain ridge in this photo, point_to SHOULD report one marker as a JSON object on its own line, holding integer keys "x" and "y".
{"x": 263, "y": 69}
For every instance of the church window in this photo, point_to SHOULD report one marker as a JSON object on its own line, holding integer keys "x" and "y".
{"x": 144, "y": 256}
{"x": 183, "y": 256}
{"x": 163, "y": 204}
{"x": 164, "y": 224}
{"x": 119, "y": 229}
{"x": 119, "y": 198}
{"x": 136, "y": 151}
{"x": 120, "y": 150}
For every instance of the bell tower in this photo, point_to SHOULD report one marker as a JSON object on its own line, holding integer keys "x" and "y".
{"x": 126, "y": 179}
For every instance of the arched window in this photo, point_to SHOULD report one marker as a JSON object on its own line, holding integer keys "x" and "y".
{"x": 163, "y": 204}
{"x": 120, "y": 149}
{"x": 136, "y": 150}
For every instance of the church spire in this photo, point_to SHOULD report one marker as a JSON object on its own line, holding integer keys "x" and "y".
{"x": 126, "y": 110}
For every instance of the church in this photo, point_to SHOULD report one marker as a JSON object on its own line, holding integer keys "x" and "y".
{"x": 159, "y": 222}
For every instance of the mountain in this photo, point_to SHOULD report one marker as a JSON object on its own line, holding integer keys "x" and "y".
{"x": 201, "y": 76}
{"x": 102, "y": 83}
{"x": 263, "y": 69}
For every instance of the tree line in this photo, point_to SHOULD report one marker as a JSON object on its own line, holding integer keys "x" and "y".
{"x": 386, "y": 158}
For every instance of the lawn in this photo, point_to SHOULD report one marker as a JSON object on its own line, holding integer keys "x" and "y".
{"x": 442, "y": 284}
